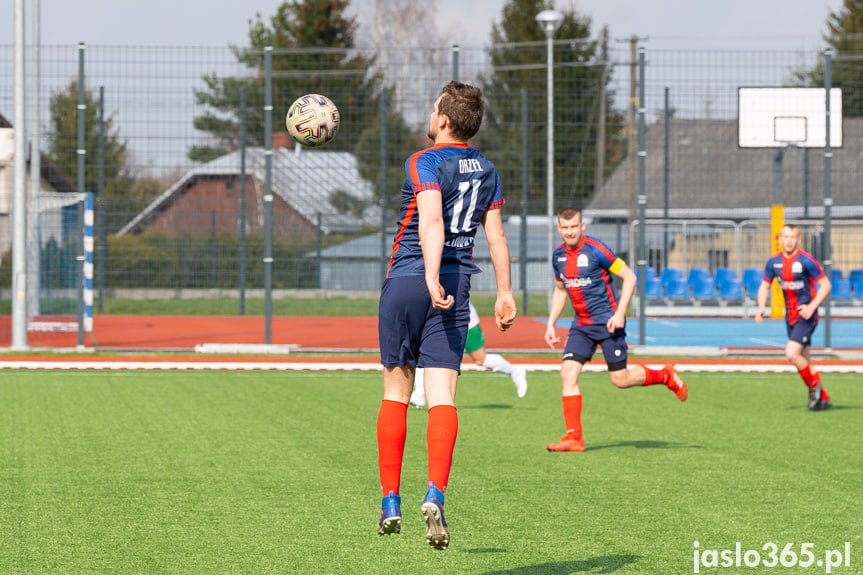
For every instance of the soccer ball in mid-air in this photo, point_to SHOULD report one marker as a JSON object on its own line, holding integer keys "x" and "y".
{"x": 313, "y": 120}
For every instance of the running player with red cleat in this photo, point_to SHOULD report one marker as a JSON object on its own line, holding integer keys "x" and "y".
{"x": 582, "y": 268}
{"x": 798, "y": 273}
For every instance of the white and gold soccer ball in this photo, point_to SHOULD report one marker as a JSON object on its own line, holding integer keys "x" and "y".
{"x": 313, "y": 120}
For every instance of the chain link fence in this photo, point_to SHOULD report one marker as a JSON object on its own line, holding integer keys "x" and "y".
{"x": 182, "y": 153}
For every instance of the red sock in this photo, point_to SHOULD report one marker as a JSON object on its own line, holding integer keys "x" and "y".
{"x": 809, "y": 377}
{"x": 652, "y": 376}
{"x": 440, "y": 437}
{"x": 392, "y": 430}
{"x": 572, "y": 415}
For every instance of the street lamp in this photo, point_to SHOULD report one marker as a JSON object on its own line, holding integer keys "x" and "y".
{"x": 549, "y": 21}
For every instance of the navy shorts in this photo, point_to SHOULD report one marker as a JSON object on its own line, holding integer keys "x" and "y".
{"x": 412, "y": 333}
{"x": 583, "y": 339}
{"x": 801, "y": 330}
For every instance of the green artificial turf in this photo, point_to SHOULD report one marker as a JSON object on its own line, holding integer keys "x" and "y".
{"x": 276, "y": 472}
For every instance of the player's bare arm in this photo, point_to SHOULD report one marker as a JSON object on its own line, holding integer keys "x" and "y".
{"x": 808, "y": 310}
{"x": 431, "y": 234}
{"x": 763, "y": 292}
{"x": 498, "y": 248}
{"x": 558, "y": 300}
{"x": 618, "y": 320}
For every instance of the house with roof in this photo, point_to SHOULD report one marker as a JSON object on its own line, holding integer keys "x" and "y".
{"x": 306, "y": 183}
{"x": 711, "y": 177}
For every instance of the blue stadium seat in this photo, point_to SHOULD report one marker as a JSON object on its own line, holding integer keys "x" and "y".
{"x": 855, "y": 274}
{"x": 653, "y": 288}
{"x": 697, "y": 275}
{"x": 724, "y": 275}
{"x": 835, "y": 275}
{"x": 731, "y": 289}
{"x": 677, "y": 290}
{"x": 841, "y": 290}
{"x": 857, "y": 287}
{"x": 752, "y": 281}
{"x": 649, "y": 271}
{"x": 703, "y": 289}
{"x": 671, "y": 275}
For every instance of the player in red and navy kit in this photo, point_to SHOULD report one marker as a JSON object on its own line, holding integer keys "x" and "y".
{"x": 582, "y": 268}
{"x": 798, "y": 273}
{"x": 423, "y": 317}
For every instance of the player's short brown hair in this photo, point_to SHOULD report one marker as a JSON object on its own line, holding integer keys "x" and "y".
{"x": 464, "y": 106}
{"x": 568, "y": 213}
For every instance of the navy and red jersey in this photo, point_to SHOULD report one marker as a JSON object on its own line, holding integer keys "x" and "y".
{"x": 585, "y": 271}
{"x": 797, "y": 276}
{"x": 469, "y": 186}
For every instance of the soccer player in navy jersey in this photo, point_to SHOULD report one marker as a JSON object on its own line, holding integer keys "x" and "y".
{"x": 450, "y": 190}
{"x": 582, "y": 268}
{"x": 798, "y": 273}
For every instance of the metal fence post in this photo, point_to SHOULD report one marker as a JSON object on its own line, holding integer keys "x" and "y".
{"x": 100, "y": 194}
{"x": 82, "y": 154}
{"x": 268, "y": 196}
{"x": 642, "y": 202}
{"x": 522, "y": 249}
{"x": 828, "y": 197}
{"x": 242, "y": 246}
{"x": 383, "y": 168}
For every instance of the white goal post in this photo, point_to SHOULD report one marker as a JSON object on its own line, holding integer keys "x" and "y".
{"x": 60, "y": 263}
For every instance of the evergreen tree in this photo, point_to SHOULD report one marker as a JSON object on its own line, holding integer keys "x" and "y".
{"x": 845, "y": 35}
{"x": 313, "y": 52}
{"x": 63, "y": 138}
{"x": 124, "y": 193}
{"x": 518, "y": 58}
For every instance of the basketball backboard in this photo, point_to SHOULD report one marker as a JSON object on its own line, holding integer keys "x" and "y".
{"x": 782, "y": 117}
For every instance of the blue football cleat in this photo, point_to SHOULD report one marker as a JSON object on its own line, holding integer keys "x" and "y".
{"x": 437, "y": 533}
{"x": 391, "y": 515}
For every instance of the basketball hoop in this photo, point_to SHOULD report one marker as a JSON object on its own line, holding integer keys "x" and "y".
{"x": 788, "y": 117}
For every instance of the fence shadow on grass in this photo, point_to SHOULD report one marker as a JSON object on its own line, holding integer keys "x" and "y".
{"x": 644, "y": 444}
{"x": 603, "y": 564}
{"x": 488, "y": 406}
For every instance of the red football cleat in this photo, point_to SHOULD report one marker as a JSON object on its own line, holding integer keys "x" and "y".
{"x": 675, "y": 384}
{"x": 567, "y": 443}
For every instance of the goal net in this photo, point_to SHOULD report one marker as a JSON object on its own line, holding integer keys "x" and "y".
{"x": 60, "y": 263}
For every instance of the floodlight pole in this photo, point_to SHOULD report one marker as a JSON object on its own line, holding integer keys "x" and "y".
{"x": 549, "y": 21}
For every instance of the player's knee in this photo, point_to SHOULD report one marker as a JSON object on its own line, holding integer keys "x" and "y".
{"x": 620, "y": 378}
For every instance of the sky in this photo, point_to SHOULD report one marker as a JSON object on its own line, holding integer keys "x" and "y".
{"x": 691, "y": 24}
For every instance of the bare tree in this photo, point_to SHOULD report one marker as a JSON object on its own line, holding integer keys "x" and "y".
{"x": 407, "y": 41}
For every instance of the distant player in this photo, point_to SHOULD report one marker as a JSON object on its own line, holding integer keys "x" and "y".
{"x": 475, "y": 348}
{"x": 582, "y": 268}
{"x": 798, "y": 273}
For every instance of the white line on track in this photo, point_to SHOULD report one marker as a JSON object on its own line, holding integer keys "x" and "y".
{"x": 716, "y": 367}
